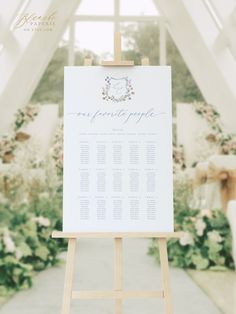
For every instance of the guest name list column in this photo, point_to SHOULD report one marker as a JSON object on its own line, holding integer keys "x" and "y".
{"x": 118, "y": 177}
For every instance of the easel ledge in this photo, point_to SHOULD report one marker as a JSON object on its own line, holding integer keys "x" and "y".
{"x": 114, "y": 235}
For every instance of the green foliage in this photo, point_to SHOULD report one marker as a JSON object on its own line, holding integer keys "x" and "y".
{"x": 26, "y": 245}
{"x": 143, "y": 41}
{"x": 51, "y": 86}
{"x": 206, "y": 241}
{"x": 30, "y": 209}
{"x": 205, "y": 244}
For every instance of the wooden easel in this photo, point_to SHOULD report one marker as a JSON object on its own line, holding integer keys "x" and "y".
{"x": 118, "y": 294}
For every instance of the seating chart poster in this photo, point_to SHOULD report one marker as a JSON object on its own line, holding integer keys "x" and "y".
{"x": 117, "y": 149}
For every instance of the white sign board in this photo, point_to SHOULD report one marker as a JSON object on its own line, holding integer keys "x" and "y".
{"x": 117, "y": 149}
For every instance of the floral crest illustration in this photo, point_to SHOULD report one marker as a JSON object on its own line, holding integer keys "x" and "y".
{"x": 117, "y": 89}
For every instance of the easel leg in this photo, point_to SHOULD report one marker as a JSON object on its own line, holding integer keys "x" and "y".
{"x": 69, "y": 276}
{"x": 118, "y": 273}
{"x": 165, "y": 275}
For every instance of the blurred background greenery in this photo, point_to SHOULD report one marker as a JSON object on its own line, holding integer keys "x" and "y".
{"x": 142, "y": 40}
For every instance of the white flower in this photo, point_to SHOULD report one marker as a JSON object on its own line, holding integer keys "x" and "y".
{"x": 19, "y": 254}
{"x": 206, "y": 213}
{"x": 42, "y": 221}
{"x": 200, "y": 226}
{"x": 9, "y": 244}
{"x": 186, "y": 239}
{"x": 214, "y": 236}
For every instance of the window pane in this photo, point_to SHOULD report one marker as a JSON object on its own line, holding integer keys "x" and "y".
{"x": 141, "y": 39}
{"x": 95, "y": 36}
{"x": 127, "y": 29}
{"x": 137, "y": 7}
{"x": 95, "y": 7}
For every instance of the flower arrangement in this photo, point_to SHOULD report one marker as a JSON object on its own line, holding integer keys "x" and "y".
{"x": 225, "y": 141}
{"x": 25, "y": 115}
{"x": 220, "y": 142}
{"x": 205, "y": 241}
{"x": 178, "y": 158}
{"x": 206, "y": 236}
{"x": 227, "y": 144}
{"x": 30, "y": 207}
{"x": 210, "y": 114}
{"x": 9, "y": 143}
{"x": 7, "y": 147}
{"x": 25, "y": 242}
